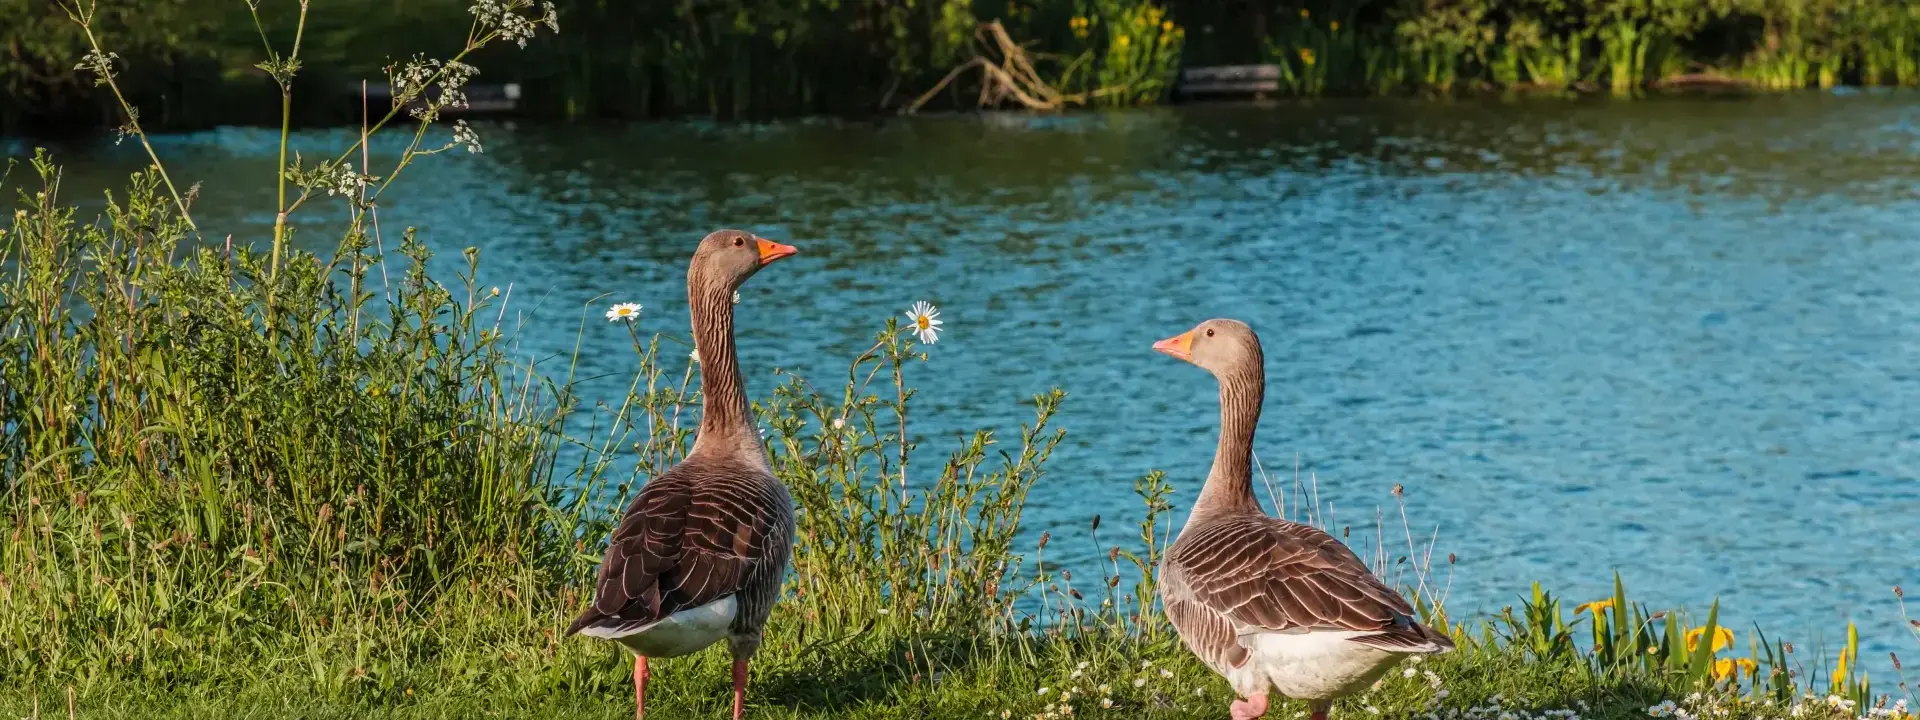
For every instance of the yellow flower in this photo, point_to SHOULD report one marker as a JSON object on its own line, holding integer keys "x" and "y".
{"x": 1139, "y": 22}
{"x": 1306, "y": 56}
{"x": 1732, "y": 668}
{"x": 1596, "y": 607}
{"x": 1722, "y": 638}
{"x": 1122, "y": 40}
{"x": 1304, "y": 14}
{"x": 1166, "y": 26}
{"x": 1335, "y": 26}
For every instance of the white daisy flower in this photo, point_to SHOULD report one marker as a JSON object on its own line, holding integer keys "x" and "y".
{"x": 624, "y": 311}
{"x": 924, "y": 320}
{"x": 1137, "y": 682}
{"x": 1044, "y": 691}
{"x": 694, "y": 355}
{"x": 1106, "y": 702}
{"x": 839, "y": 423}
{"x": 736, "y": 297}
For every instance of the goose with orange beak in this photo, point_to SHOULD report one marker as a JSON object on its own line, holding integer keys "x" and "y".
{"x": 1269, "y": 604}
{"x": 700, "y": 553}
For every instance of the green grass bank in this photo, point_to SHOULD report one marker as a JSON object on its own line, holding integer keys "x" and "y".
{"x": 242, "y": 480}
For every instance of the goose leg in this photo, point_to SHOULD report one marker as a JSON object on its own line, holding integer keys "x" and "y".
{"x": 1254, "y": 706}
{"x": 739, "y": 688}
{"x": 639, "y": 687}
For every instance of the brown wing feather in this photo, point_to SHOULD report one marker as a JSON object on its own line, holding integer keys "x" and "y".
{"x": 696, "y": 534}
{"x": 1261, "y": 572}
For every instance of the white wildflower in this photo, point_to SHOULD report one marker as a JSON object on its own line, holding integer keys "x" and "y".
{"x": 1044, "y": 691}
{"x": 694, "y": 355}
{"x": 1409, "y": 672}
{"x": 624, "y": 311}
{"x": 1137, "y": 682}
{"x": 1197, "y": 692}
{"x": 924, "y": 321}
{"x": 1106, "y": 689}
{"x": 1165, "y": 673}
{"x": 839, "y": 423}
{"x": 736, "y": 297}
{"x": 1076, "y": 673}
{"x": 1106, "y": 702}
{"x": 464, "y": 135}
{"x": 99, "y": 64}
{"x": 342, "y": 180}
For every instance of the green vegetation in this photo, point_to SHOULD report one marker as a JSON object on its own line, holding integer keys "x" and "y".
{"x": 197, "y": 61}
{"x": 264, "y": 483}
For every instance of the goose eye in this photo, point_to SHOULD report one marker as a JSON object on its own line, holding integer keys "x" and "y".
{"x": 1209, "y": 332}
{"x": 739, "y": 242}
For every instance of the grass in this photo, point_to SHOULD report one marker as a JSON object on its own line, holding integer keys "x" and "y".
{"x": 275, "y": 484}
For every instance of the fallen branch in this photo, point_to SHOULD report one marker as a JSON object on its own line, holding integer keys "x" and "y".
{"x": 1012, "y": 77}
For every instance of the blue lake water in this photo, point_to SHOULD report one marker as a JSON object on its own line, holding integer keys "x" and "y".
{"x": 1677, "y": 339}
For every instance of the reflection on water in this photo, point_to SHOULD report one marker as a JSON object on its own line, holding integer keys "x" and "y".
{"x": 1676, "y": 338}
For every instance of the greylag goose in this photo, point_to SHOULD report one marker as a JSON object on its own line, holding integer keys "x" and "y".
{"x": 1267, "y": 603}
{"x": 701, "y": 551}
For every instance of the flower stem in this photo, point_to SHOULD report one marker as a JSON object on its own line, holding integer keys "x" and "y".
{"x": 85, "y": 21}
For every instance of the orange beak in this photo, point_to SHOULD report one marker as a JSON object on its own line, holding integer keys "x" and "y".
{"x": 771, "y": 251}
{"x": 1180, "y": 346}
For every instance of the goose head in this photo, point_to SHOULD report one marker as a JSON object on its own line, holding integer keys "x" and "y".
{"x": 726, "y": 258}
{"x": 1221, "y": 346}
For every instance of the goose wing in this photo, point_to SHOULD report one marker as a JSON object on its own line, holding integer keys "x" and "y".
{"x": 1262, "y": 574}
{"x": 692, "y": 536}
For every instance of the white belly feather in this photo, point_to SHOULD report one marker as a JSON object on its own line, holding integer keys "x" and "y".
{"x": 681, "y": 633}
{"x": 1317, "y": 665}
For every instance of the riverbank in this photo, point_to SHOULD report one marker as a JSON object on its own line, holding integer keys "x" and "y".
{"x": 191, "y": 64}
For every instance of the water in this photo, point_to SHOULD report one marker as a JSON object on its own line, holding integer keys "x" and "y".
{"x": 1672, "y": 338}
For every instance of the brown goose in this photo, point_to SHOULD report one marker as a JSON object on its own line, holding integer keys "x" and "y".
{"x": 1267, "y": 603}
{"x": 701, "y": 551}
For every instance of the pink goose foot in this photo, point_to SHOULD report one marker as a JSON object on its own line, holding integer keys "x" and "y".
{"x": 1253, "y": 707}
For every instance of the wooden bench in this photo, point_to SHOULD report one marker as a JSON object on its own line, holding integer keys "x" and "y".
{"x": 1256, "y": 80}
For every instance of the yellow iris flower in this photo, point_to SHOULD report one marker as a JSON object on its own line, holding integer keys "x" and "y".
{"x": 1722, "y": 638}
